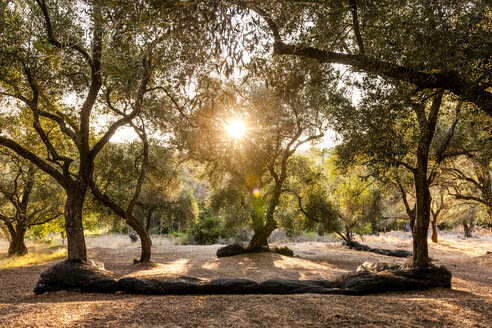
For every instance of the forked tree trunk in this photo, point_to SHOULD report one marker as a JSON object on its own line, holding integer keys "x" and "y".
{"x": 468, "y": 229}
{"x": 73, "y": 224}
{"x": 17, "y": 245}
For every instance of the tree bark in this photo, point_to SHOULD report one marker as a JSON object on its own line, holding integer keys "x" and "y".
{"x": 145, "y": 241}
{"x": 422, "y": 215}
{"x": 73, "y": 224}
{"x": 422, "y": 191}
{"x": 374, "y": 228}
{"x": 17, "y": 245}
{"x": 434, "y": 229}
{"x": 149, "y": 224}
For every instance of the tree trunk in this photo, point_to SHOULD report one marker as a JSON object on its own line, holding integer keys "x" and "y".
{"x": 434, "y": 229}
{"x": 17, "y": 245}
{"x": 468, "y": 229}
{"x": 149, "y": 225}
{"x": 422, "y": 192}
{"x": 129, "y": 219}
{"x": 73, "y": 224}
{"x": 263, "y": 231}
{"x": 348, "y": 234}
{"x": 145, "y": 241}
{"x": 374, "y": 228}
{"x": 422, "y": 214}
{"x": 260, "y": 237}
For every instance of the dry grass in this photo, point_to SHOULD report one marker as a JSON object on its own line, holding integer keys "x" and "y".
{"x": 38, "y": 253}
{"x": 467, "y": 304}
{"x": 112, "y": 240}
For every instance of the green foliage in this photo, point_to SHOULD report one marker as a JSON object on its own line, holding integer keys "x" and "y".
{"x": 364, "y": 229}
{"x": 208, "y": 230}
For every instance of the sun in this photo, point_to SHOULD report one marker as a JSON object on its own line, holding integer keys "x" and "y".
{"x": 235, "y": 129}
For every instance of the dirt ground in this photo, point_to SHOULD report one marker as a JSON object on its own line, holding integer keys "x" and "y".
{"x": 467, "y": 304}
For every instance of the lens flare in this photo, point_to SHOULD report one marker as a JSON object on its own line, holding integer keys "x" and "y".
{"x": 235, "y": 129}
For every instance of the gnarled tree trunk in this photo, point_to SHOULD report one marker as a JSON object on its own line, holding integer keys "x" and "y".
{"x": 260, "y": 237}
{"x": 17, "y": 245}
{"x": 263, "y": 231}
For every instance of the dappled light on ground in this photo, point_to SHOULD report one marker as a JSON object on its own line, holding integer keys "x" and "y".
{"x": 174, "y": 268}
{"x": 467, "y": 304}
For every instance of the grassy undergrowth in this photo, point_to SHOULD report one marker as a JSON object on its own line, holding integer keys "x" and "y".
{"x": 38, "y": 253}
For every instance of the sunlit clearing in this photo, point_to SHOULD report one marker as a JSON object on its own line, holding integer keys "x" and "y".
{"x": 235, "y": 129}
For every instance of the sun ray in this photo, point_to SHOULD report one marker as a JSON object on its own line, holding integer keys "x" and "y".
{"x": 235, "y": 129}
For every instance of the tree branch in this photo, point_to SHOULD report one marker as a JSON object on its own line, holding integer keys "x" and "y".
{"x": 45, "y": 221}
{"x": 42, "y": 164}
{"x": 355, "y": 20}
{"x": 136, "y": 108}
{"x": 448, "y": 80}
{"x": 54, "y": 41}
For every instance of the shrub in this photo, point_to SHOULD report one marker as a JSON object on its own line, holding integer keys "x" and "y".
{"x": 208, "y": 230}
